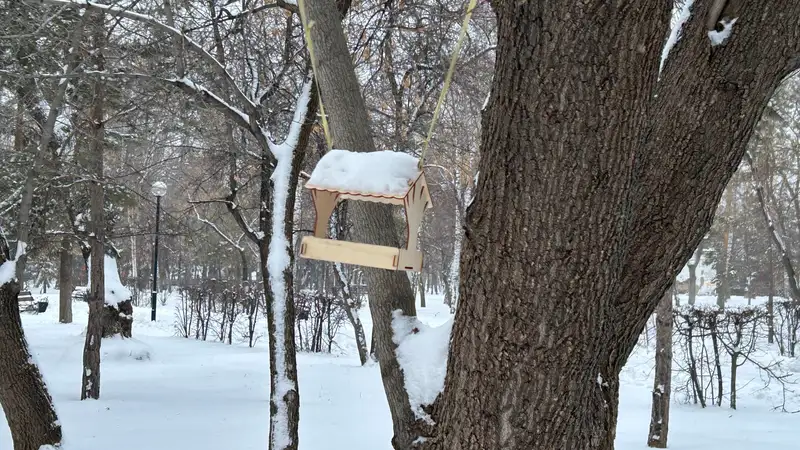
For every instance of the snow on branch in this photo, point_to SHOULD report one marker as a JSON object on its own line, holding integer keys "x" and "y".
{"x": 233, "y": 208}
{"x": 209, "y": 97}
{"x": 150, "y": 20}
{"x": 214, "y": 227}
{"x": 293, "y": 135}
{"x": 185, "y": 84}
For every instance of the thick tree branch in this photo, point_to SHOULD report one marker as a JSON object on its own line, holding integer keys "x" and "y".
{"x": 721, "y": 92}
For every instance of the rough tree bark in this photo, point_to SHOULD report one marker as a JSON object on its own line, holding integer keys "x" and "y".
{"x": 592, "y": 195}
{"x": 65, "y": 282}
{"x": 90, "y": 384}
{"x": 118, "y": 320}
{"x": 350, "y": 126}
{"x": 23, "y": 394}
{"x": 662, "y": 381}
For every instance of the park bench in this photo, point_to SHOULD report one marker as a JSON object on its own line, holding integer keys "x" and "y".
{"x": 28, "y": 303}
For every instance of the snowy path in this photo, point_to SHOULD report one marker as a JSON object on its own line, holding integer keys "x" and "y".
{"x": 210, "y": 396}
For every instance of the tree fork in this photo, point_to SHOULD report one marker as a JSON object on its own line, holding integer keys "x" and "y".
{"x": 555, "y": 294}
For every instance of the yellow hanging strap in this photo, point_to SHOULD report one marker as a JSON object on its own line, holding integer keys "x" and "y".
{"x": 447, "y": 79}
{"x": 307, "y": 33}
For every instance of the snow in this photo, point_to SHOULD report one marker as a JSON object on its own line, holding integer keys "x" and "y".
{"x": 115, "y": 291}
{"x": 384, "y": 172}
{"x": 277, "y": 262}
{"x": 207, "y": 396}
{"x": 7, "y": 271}
{"x": 675, "y": 31}
{"x": 719, "y": 37}
{"x": 422, "y": 354}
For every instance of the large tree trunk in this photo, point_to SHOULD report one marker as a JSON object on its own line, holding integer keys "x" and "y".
{"x": 374, "y": 222}
{"x": 662, "y": 381}
{"x": 23, "y": 394}
{"x": 557, "y": 285}
{"x": 90, "y": 385}
{"x": 65, "y": 282}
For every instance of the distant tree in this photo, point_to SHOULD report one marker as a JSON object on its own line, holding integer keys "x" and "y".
{"x": 662, "y": 380}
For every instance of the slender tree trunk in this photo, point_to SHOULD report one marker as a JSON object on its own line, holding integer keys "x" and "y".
{"x": 723, "y": 276}
{"x": 243, "y": 262}
{"x": 771, "y": 298}
{"x": 372, "y": 351}
{"x": 349, "y": 123}
{"x": 449, "y": 297}
{"x": 662, "y": 383}
{"x": 348, "y": 304}
{"x": 287, "y": 406}
{"x": 734, "y": 367}
{"x": 65, "y": 282}
{"x": 90, "y": 386}
{"x": 421, "y": 290}
{"x": 698, "y": 255}
{"x": 453, "y": 274}
{"x": 770, "y": 261}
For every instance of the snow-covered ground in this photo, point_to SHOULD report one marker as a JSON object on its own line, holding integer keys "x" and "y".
{"x": 205, "y": 395}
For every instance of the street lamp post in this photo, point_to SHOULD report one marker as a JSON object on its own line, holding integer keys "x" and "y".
{"x": 158, "y": 189}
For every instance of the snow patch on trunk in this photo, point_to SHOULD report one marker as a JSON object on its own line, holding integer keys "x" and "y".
{"x": 115, "y": 291}
{"x": 8, "y": 270}
{"x": 719, "y": 37}
{"x": 422, "y": 354}
{"x": 675, "y": 32}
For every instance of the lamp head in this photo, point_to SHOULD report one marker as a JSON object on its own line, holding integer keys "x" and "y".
{"x": 159, "y": 188}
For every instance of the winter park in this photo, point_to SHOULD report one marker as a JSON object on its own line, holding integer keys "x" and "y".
{"x": 399, "y": 225}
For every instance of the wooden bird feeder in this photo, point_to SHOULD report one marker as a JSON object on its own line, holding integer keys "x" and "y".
{"x": 381, "y": 177}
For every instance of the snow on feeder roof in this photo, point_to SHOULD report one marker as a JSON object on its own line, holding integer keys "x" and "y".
{"x": 382, "y": 173}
